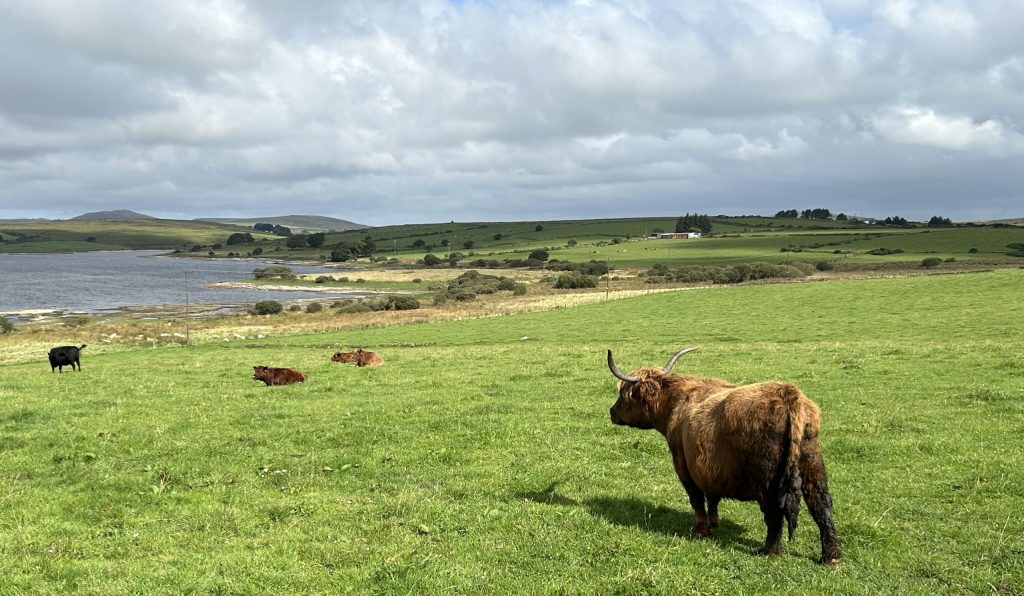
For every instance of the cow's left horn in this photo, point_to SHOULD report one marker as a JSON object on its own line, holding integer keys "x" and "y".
{"x": 672, "y": 360}
{"x": 618, "y": 373}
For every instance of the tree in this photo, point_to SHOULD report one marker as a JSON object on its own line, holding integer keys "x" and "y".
{"x": 468, "y": 244}
{"x": 931, "y": 262}
{"x": 939, "y": 221}
{"x": 296, "y": 241}
{"x": 498, "y": 236}
{"x": 431, "y": 260}
{"x": 540, "y": 255}
{"x": 788, "y": 214}
{"x": 419, "y": 243}
{"x": 842, "y": 217}
{"x": 239, "y": 238}
{"x": 539, "y": 228}
{"x": 693, "y": 223}
{"x": 316, "y": 240}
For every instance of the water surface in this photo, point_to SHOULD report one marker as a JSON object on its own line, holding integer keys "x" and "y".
{"x": 95, "y": 282}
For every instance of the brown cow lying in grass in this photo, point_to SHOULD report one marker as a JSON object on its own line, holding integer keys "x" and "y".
{"x": 360, "y": 357}
{"x": 277, "y": 376}
{"x": 343, "y": 357}
{"x": 752, "y": 443}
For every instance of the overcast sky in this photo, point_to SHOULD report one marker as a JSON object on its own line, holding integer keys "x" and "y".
{"x": 386, "y": 112}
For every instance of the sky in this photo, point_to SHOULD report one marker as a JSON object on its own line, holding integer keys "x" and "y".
{"x": 389, "y": 112}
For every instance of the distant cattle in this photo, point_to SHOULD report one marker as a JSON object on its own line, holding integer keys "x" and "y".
{"x": 277, "y": 376}
{"x": 62, "y": 356}
{"x": 364, "y": 358}
{"x": 756, "y": 442}
{"x": 359, "y": 356}
{"x": 343, "y": 357}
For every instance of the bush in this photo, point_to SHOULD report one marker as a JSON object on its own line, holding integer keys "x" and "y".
{"x": 267, "y": 307}
{"x": 973, "y": 250}
{"x": 518, "y": 289}
{"x": 824, "y": 266}
{"x": 539, "y": 255}
{"x": 402, "y": 303}
{"x": 931, "y": 262}
{"x": 431, "y": 261}
{"x": 6, "y": 326}
{"x": 323, "y": 279}
{"x": 885, "y": 251}
{"x": 575, "y": 280}
{"x": 294, "y": 308}
{"x": 273, "y": 272}
{"x": 314, "y": 307}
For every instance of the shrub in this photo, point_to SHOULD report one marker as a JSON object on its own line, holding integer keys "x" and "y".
{"x": 323, "y": 279}
{"x": 267, "y": 307}
{"x": 6, "y": 326}
{"x": 273, "y": 272}
{"x": 402, "y": 303}
{"x": 931, "y": 262}
{"x": 885, "y": 251}
{"x": 973, "y": 250}
{"x": 314, "y": 307}
{"x": 294, "y": 308}
{"x": 539, "y": 255}
{"x": 431, "y": 261}
{"x": 518, "y": 289}
{"x": 464, "y": 296}
{"x": 417, "y": 280}
{"x": 824, "y": 266}
{"x": 571, "y": 242}
{"x": 575, "y": 280}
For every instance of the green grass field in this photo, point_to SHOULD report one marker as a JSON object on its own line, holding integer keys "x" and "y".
{"x": 475, "y": 461}
{"x": 75, "y": 235}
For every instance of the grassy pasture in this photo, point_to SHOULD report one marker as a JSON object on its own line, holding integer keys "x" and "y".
{"x": 68, "y": 235}
{"x": 476, "y": 461}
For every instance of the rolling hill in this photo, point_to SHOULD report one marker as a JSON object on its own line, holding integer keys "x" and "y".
{"x": 297, "y": 223}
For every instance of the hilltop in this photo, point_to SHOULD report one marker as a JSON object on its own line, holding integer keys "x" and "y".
{"x": 297, "y": 223}
{"x": 116, "y": 214}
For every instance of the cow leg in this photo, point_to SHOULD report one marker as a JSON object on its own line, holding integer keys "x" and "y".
{"x": 701, "y": 523}
{"x": 713, "y": 510}
{"x": 773, "y": 518}
{"x": 819, "y": 501}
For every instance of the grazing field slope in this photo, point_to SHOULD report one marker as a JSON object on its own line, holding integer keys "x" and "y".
{"x": 480, "y": 459}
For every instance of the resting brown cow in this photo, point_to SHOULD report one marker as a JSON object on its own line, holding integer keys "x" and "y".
{"x": 277, "y": 376}
{"x": 364, "y": 358}
{"x": 343, "y": 357}
{"x": 752, "y": 443}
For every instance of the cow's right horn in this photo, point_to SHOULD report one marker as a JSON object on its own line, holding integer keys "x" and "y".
{"x": 618, "y": 373}
{"x": 672, "y": 360}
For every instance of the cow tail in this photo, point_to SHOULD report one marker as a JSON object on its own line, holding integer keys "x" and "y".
{"x": 82, "y": 348}
{"x": 790, "y": 482}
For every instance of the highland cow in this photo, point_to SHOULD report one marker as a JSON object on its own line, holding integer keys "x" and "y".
{"x": 751, "y": 443}
{"x": 277, "y": 376}
{"x": 62, "y": 356}
{"x": 364, "y": 358}
{"x": 343, "y": 357}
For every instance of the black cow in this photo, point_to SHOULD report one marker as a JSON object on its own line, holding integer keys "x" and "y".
{"x": 62, "y": 356}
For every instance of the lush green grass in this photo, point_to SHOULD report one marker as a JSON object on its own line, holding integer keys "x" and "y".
{"x": 63, "y": 236}
{"x": 478, "y": 462}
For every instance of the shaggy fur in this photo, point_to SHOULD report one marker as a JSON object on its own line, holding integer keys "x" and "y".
{"x": 364, "y": 358}
{"x": 752, "y": 443}
{"x": 62, "y": 356}
{"x": 277, "y": 376}
{"x": 343, "y": 357}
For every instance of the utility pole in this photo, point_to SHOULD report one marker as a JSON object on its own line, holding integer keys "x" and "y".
{"x": 607, "y": 280}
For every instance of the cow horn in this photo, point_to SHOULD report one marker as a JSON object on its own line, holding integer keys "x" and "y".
{"x": 672, "y": 360}
{"x": 618, "y": 373}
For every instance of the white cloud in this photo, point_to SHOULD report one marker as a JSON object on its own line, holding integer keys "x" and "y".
{"x": 922, "y": 126}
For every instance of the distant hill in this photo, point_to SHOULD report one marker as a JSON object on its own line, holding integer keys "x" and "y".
{"x": 297, "y": 223}
{"x": 111, "y": 215}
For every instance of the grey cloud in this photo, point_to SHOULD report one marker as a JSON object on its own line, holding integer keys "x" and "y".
{"x": 388, "y": 112}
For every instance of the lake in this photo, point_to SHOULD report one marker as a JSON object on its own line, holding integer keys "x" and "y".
{"x": 98, "y": 282}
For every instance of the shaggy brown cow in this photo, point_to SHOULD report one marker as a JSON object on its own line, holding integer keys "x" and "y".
{"x": 343, "y": 357}
{"x": 277, "y": 376}
{"x": 752, "y": 443}
{"x": 364, "y": 358}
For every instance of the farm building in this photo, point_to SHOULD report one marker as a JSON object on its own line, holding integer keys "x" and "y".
{"x": 677, "y": 235}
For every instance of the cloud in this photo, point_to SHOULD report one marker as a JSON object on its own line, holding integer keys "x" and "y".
{"x": 921, "y": 126}
{"x": 398, "y": 111}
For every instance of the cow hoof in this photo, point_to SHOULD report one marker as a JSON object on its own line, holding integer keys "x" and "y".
{"x": 835, "y": 561}
{"x": 768, "y": 552}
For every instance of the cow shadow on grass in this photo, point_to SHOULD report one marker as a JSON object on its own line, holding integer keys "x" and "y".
{"x": 643, "y": 515}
